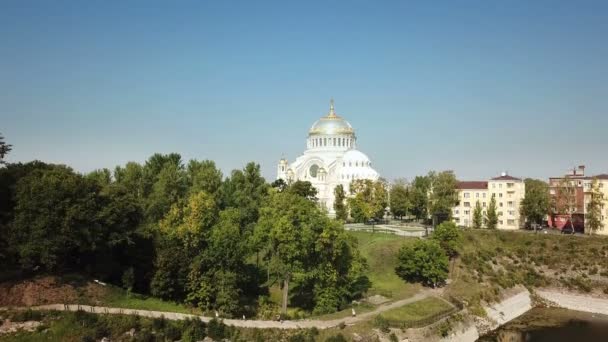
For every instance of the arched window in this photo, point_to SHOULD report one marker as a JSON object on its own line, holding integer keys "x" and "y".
{"x": 343, "y": 164}
{"x": 324, "y": 141}
{"x": 357, "y": 164}
{"x": 350, "y": 164}
{"x": 334, "y": 141}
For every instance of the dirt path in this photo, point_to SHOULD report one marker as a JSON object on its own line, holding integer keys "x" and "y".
{"x": 319, "y": 324}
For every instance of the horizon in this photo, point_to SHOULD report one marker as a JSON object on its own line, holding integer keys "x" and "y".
{"x": 477, "y": 88}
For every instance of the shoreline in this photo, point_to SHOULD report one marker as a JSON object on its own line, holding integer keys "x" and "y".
{"x": 518, "y": 304}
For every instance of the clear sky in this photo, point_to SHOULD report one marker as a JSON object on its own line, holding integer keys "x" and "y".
{"x": 476, "y": 87}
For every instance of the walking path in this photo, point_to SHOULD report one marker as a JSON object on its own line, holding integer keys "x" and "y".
{"x": 299, "y": 324}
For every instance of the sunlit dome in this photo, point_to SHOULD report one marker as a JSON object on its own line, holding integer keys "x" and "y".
{"x": 332, "y": 124}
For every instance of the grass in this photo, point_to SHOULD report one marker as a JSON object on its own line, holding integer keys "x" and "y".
{"x": 422, "y": 309}
{"x": 117, "y": 297}
{"x": 359, "y": 309}
{"x": 380, "y": 250}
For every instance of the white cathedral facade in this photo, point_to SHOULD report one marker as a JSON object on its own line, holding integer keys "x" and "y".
{"x": 331, "y": 158}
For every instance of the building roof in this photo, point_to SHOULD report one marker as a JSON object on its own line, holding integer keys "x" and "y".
{"x": 506, "y": 177}
{"x": 600, "y": 176}
{"x": 473, "y": 185}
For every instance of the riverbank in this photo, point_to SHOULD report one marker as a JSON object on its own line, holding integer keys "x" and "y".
{"x": 575, "y": 302}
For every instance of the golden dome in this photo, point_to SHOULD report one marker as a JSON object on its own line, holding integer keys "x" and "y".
{"x": 331, "y": 124}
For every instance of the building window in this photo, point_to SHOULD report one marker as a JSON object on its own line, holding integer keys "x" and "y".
{"x": 500, "y": 195}
{"x": 510, "y": 204}
{"x": 484, "y": 195}
{"x": 324, "y": 141}
{"x": 484, "y": 204}
{"x": 466, "y": 195}
{"x": 500, "y": 185}
{"x": 467, "y": 204}
{"x": 467, "y": 212}
{"x": 500, "y": 213}
{"x": 500, "y": 222}
{"x": 510, "y": 222}
{"x": 500, "y": 204}
{"x": 334, "y": 141}
{"x": 477, "y": 195}
{"x": 456, "y": 211}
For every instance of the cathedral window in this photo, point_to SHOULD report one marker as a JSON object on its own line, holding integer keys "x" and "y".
{"x": 357, "y": 164}
{"x": 334, "y": 141}
{"x": 324, "y": 141}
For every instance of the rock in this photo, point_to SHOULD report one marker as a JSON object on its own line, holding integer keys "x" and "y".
{"x": 105, "y": 339}
{"x": 357, "y": 337}
{"x": 131, "y": 332}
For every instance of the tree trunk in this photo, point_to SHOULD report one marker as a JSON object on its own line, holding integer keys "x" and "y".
{"x": 285, "y": 294}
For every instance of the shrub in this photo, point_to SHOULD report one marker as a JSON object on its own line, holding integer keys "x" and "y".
{"x": 193, "y": 329}
{"x": 381, "y": 323}
{"x": 449, "y": 237}
{"x": 336, "y": 338}
{"x": 393, "y": 338}
{"x": 423, "y": 261}
{"x": 27, "y": 315}
{"x": 217, "y": 330}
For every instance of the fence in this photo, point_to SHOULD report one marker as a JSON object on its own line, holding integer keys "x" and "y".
{"x": 457, "y": 307}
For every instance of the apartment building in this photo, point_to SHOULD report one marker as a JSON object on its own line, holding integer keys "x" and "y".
{"x": 508, "y": 191}
{"x": 580, "y": 185}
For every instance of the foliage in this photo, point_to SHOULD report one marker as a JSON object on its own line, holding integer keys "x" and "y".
{"x": 537, "y": 201}
{"x": 368, "y": 199}
{"x": 419, "y": 191}
{"x": 477, "y": 216}
{"x": 304, "y": 189}
{"x": 443, "y": 195}
{"x": 301, "y": 245}
{"x": 449, "y": 238}
{"x": 424, "y": 261}
{"x": 491, "y": 214}
{"x": 400, "y": 202}
{"x": 4, "y": 149}
{"x": 593, "y": 218}
{"x": 339, "y": 203}
{"x": 382, "y": 323}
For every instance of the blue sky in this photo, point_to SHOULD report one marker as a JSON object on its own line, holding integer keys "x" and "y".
{"x": 473, "y": 86}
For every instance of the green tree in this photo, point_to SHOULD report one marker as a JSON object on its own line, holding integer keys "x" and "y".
{"x": 449, "y": 237}
{"x": 369, "y": 199}
{"x": 103, "y": 177}
{"x": 308, "y": 252}
{"x": 423, "y": 261}
{"x": 4, "y": 149}
{"x": 477, "y": 216}
{"x": 593, "y": 218}
{"x": 304, "y": 189}
{"x": 491, "y": 214}
{"x": 339, "y": 203}
{"x": 204, "y": 176}
{"x": 54, "y": 220}
{"x": 169, "y": 187}
{"x": 419, "y": 195}
{"x": 245, "y": 190}
{"x": 564, "y": 201}
{"x": 400, "y": 202}
{"x": 443, "y": 195}
{"x": 537, "y": 201}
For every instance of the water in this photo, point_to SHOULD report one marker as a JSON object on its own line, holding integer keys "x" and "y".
{"x": 552, "y": 325}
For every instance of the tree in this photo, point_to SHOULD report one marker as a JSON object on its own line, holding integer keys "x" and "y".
{"x": 169, "y": 187}
{"x": 308, "y": 252}
{"x": 54, "y": 220}
{"x": 491, "y": 214}
{"x": 368, "y": 200}
{"x": 449, "y": 237}
{"x": 564, "y": 201}
{"x": 443, "y": 195}
{"x": 477, "y": 216}
{"x": 419, "y": 191}
{"x": 537, "y": 201}
{"x": 245, "y": 190}
{"x": 303, "y": 189}
{"x": 593, "y": 219}
{"x": 204, "y": 176}
{"x": 4, "y": 149}
{"x": 339, "y": 203}
{"x": 424, "y": 261}
{"x": 400, "y": 202}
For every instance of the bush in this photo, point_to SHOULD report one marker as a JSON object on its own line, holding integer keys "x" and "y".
{"x": 193, "y": 330}
{"x": 423, "y": 261}
{"x": 27, "y": 315}
{"x": 393, "y": 338}
{"x": 381, "y": 323}
{"x": 449, "y": 237}
{"x": 217, "y": 330}
{"x": 336, "y": 338}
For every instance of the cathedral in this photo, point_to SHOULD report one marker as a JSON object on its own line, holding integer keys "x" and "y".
{"x": 331, "y": 158}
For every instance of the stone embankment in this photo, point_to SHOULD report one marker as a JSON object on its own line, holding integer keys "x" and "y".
{"x": 575, "y": 302}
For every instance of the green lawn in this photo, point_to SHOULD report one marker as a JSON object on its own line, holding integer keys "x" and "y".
{"x": 117, "y": 297}
{"x": 380, "y": 250}
{"x": 416, "y": 311}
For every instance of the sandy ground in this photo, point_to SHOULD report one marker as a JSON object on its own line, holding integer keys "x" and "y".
{"x": 575, "y": 302}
